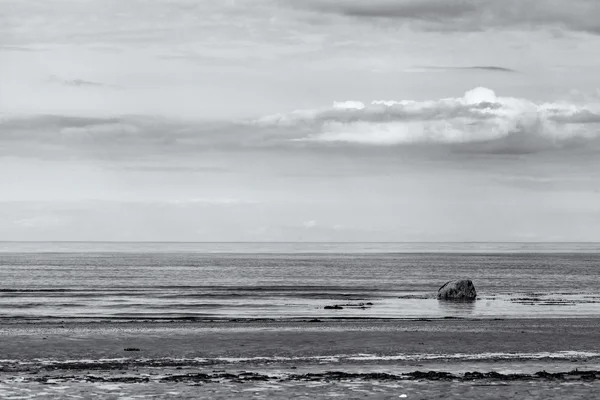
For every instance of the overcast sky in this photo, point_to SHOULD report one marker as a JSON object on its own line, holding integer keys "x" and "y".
{"x": 308, "y": 120}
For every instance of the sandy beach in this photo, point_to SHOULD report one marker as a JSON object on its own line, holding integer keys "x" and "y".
{"x": 524, "y": 358}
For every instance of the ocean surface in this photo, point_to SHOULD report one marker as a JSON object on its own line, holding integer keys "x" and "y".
{"x": 225, "y": 281}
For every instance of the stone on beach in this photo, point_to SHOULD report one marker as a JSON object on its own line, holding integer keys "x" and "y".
{"x": 457, "y": 290}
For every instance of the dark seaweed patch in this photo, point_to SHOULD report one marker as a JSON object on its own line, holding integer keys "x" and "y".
{"x": 330, "y": 376}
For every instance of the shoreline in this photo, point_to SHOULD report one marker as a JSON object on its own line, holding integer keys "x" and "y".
{"x": 480, "y": 359}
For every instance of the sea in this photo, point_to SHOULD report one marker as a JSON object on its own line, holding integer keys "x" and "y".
{"x": 293, "y": 281}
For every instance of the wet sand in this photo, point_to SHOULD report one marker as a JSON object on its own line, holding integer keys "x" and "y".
{"x": 295, "y": 338}
{"x": 517, "y": 358}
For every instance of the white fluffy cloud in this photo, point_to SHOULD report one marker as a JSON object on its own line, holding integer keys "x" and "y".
{"x": 478, "y": 116}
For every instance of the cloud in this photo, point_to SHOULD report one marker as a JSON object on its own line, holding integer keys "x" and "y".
{"x": 422, "y": 9}
{"x": 471, "y": 15}
{"x": 348, "y": 105}
{"x": 489, "y": 68}
{"x": 81, "y": 82}
{"x": 78, "y": 82}
{"x": 121, "y": 137}
{"x": 18, "y": 49}
{"x": 210, "y": 201}
{"x": 309, "y": 224}
{"x": 479, "y": 121}
{"x": 171, "y": 168}
{"x": 115, "y": 22}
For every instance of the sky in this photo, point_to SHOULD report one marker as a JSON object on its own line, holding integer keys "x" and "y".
{"x": 312, "y": 120}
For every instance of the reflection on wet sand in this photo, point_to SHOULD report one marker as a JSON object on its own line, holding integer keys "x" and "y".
{"x": 456, "y": 308}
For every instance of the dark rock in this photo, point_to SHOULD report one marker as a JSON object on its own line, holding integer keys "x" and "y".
{"x": 457, "y": 290}
{"x": 131, "y": 349}
{"x": 336, "y": 307}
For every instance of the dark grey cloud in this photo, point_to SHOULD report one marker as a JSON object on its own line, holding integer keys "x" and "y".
{"x": 471, "y": 15}
{"x": 490, "y": 68}
{"x": 579, "y": 117}
{"x": 131, "y": 137}
{"x": 422, "y": 9}
{"x": 80, "y": 83}
{"x": 519, "y": 143}
{"x": 172, "y": 168}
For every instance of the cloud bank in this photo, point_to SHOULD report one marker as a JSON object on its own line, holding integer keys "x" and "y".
{"x": 478, "y": 121}
{"x": 480, "y": 116}
{"x": 472, "y": 15}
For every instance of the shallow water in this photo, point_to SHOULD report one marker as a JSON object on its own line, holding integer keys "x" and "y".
{"x": 321, "y": 390}
{"x": 340, "y": 377}
{"x": 214, "y": 281}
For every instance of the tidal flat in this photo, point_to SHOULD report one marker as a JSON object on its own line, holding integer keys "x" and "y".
{"x": 467, "y": 358}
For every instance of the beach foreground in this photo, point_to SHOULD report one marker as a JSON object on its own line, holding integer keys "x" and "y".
{"x": 518, "y": 358}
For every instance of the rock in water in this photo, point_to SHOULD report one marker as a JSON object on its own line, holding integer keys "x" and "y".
{"x": 457, "y": 290}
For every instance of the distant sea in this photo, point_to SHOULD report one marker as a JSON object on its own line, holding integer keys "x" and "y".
{"x": 227, "y": 281}
{"x": 301, "y": 247}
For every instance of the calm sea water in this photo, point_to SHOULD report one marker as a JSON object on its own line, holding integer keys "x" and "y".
{"x": 293, "y": 280}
